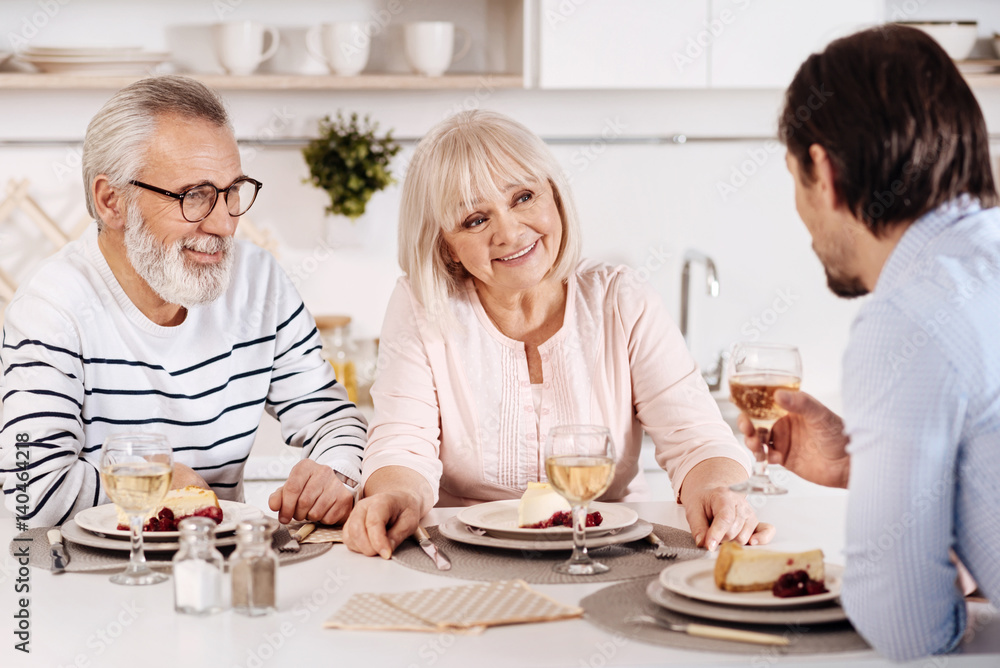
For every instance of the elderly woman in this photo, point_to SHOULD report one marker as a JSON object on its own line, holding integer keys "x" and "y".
{"x": 498, "y": 332}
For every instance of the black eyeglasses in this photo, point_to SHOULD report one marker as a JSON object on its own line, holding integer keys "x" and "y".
{"x": 198, "y": 202}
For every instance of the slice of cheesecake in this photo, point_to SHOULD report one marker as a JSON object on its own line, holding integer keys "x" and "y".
{"x": 741, "y": 569}
{"x": 542, "y": 507}
{"x": 190, "y": 501}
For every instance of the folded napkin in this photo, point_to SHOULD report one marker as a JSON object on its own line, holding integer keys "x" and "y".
{"x": 464, "y": 609}
{"x": 323, "y": 533}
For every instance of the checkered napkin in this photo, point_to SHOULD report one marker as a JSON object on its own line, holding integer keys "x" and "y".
{"x": 323, "y": 533}
{"x": 464, "y": 609}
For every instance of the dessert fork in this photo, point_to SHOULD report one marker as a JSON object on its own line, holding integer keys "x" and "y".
{"x": 662, "y": 551}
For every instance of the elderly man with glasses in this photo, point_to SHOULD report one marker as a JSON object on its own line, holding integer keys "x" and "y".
{"x": 156, "y": 320}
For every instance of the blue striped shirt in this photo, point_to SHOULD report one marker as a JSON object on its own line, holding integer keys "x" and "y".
{"x": 81, "y": 362}
{"x": 922, "y": 407}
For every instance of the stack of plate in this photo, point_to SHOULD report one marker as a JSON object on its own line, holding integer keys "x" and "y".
{"x": 93, "y": 61}
{"x": 98, "y": 527}
{"x": 494, "y": 524}
{"x": 689, "y": 588}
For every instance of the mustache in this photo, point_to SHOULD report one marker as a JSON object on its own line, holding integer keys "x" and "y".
{"x": 208, "y": 244}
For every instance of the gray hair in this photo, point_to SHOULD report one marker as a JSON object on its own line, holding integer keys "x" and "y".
{"x": 118, "y": 136}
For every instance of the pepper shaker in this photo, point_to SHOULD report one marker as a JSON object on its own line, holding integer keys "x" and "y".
{"x": 254, "y": 568}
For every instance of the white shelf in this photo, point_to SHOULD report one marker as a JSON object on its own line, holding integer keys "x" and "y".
{"x": 26, "y": 81}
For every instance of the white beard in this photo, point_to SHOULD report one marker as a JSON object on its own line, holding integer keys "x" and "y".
{"x": 165, "y": 269}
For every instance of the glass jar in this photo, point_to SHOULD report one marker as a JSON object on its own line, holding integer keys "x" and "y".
{"x": 339, "y": 350}
{"x": 199, "y": 571}
{"x": 254, "y": 568}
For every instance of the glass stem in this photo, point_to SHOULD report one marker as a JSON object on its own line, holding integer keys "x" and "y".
{"x": 760, "y": 465}
{"x": 137, "y": 559}
{"x": 580, "y": 555}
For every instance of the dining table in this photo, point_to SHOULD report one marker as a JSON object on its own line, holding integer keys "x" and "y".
{"x": 81, "y": 619}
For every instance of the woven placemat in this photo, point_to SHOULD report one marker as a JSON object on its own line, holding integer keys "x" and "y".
{"x": 470, "y": 562}
{"x": 85, "y": 559}
{"x": 611, "y": 606}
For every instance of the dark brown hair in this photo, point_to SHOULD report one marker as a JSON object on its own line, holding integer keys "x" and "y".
{"x": 902, "y": 128}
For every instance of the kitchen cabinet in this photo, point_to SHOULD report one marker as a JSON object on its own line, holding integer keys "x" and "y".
{"x": 496, "y": 59}
{"x": 636, "y": 44}
{"x": 761, "y": 43}
{"x": 663, "y": 44}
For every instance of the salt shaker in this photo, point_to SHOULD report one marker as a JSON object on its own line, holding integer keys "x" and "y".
{"x": 198, "y": 569}
{"x": 254, "y": 568}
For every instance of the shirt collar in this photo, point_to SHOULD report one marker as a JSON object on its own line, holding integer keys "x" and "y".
{"x": 904, "y": 257}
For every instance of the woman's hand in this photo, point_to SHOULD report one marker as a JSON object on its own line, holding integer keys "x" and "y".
{"x": 809, "y": 441}
{"x": 396, "y": 497}
{"x": 381, "y": 522}
{"x": 714, "y": 512}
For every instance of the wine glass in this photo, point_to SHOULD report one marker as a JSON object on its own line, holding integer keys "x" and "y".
{"x": 756, "y": 372}
{"x": 136, "y": 470}
{"x": 579, "y": 462}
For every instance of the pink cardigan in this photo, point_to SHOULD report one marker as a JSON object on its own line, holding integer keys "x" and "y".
{"x": 458, "y": 408}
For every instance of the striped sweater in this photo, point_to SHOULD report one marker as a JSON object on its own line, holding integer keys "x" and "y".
{"x": 80, "y": 362}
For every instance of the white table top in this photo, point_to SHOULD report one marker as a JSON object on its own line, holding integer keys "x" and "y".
{"x": 83, "y": 620}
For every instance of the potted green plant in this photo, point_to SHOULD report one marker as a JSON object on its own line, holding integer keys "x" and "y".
{"x": 350, "y": 162}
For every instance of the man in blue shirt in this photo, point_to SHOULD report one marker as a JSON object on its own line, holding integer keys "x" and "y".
{"x": 890, "y": 157}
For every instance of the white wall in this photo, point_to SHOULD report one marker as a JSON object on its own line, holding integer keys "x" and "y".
{"x": 639, "y": 203}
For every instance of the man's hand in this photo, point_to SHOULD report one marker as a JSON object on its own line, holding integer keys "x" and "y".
{"x": 184, "y": 476}
{"x": 381, "y": 522}
{"x": 312, "y": 492}
{"x": 809, "y": 441}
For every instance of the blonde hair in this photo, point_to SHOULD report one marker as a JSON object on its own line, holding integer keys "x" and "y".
{"x": 466, "y": 158}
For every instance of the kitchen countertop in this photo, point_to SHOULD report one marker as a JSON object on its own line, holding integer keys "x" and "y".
{"x": 83, "y": 620}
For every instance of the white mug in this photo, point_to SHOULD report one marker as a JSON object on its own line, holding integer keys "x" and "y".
{"x": 343, "y": 46}
{"x": 292, "y": 56}
{"x": 429, "y": 46}
{"x": 239, "y": 45}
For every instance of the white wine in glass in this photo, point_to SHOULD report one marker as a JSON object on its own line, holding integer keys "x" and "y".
{"x": 136, "y": 470}
{"x": 756, "y": 372}
{"x": 580, "y": 463}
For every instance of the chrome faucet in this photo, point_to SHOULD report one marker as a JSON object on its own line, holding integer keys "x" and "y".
{"x": 711, "y": 280}
{"x": 714, "y": 376}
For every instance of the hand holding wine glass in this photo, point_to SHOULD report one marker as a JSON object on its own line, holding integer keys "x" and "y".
{"x": 580, "y": 463}
{"x": 756, "y": 372}
{"x": 136, "y": 470}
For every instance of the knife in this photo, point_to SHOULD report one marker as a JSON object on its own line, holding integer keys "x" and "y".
{"x": 717, "y": 632}
{"x": 427, "y": 546}
{"x": 59, "y": 556}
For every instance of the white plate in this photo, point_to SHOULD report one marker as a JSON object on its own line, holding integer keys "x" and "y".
{"x": 499, "y": 518}
{"x": 456, "y": 530}
{"x": 823, "y": 613}
{"x": 83, "y": 51}
{"x": 696, "y": 579}
{"x": 103, "y": 520}
{"x": 74, "y": 534}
